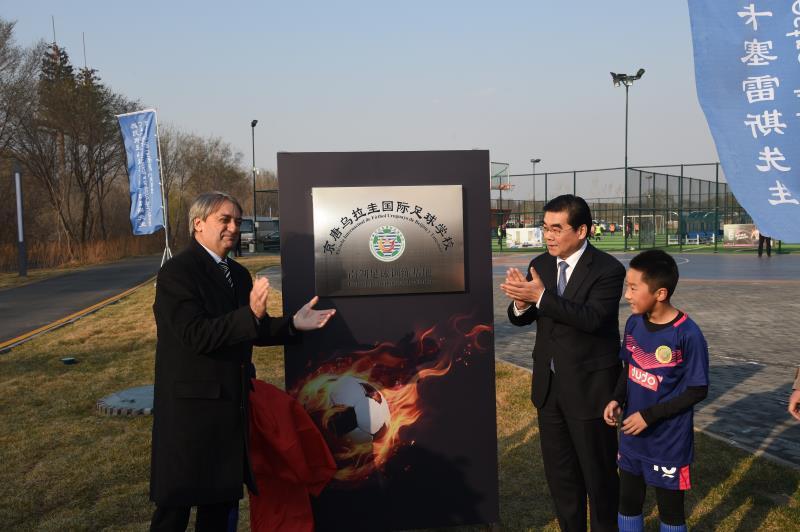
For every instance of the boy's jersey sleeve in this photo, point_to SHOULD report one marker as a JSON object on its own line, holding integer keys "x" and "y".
{"x": 624, "y": 354}
{"x": 696, "y": 356}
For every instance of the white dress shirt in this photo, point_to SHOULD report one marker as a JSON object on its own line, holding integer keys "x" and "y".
{"x": 214, "y": 256}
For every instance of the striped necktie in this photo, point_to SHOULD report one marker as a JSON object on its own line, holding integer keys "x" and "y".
{"x": 561, "y": 286}
{"x": 562, "y": 277}
{"x": 223, "y": 264}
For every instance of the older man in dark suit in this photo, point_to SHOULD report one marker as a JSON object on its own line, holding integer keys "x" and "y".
{"x": 209, "y": 314}
{"x": 572, "y": 292}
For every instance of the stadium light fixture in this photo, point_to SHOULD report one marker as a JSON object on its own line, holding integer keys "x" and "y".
{"x": 626, "y": 79}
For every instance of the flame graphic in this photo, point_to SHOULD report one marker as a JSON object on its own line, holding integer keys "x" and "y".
{"x": 395, "y": 370}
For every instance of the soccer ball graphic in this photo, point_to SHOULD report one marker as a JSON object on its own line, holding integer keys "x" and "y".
{"x": 364, "y": 412}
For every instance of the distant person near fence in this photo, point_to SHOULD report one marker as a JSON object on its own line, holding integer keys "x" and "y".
{"x": 763, "y": 239}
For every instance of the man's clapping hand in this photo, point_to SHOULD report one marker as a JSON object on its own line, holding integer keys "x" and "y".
{"x": 523, "y": 292}
{"x": 258, "y": 297}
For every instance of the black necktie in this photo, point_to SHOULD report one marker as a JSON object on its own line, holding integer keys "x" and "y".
{"x": 227, "y": 271}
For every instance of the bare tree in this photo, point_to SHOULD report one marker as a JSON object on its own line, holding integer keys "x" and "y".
{"x": 96, "y": 153}
{"x": 18, "y": 69}
{"x": 174, "y": 177}
{"x": 70, "y": 143}
{"x": 61, "y": 126}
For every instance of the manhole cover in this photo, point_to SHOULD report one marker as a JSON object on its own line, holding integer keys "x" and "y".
{"x": 131, "y": 402}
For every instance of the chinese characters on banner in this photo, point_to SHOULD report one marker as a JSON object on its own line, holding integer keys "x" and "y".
{"x": 141, "y": 148}
{"x": 747, "y": 70}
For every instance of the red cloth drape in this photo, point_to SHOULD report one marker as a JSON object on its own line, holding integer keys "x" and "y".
{"x": 290, "y": 461}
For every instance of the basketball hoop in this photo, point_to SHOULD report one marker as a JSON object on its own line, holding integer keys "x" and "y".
{"x": 499, "y": 178}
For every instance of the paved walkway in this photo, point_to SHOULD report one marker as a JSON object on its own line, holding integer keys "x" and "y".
{"x": 34, "y": 305}
{"x": 748, "y": 310}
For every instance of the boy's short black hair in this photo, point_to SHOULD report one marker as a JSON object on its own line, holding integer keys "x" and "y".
{"x": 658, "y": 270}
{"x": 578, "y": 212}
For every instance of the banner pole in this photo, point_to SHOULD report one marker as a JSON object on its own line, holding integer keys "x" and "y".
{"x": 167, "y": 252}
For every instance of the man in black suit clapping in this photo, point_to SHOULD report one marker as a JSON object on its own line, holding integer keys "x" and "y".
{"x": 572, "y": 292}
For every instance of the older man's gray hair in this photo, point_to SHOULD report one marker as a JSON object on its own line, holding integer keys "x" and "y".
{"x": 206, "y": 204}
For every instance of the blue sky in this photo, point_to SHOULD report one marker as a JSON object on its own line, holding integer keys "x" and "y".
{"x": 521, "y": 79}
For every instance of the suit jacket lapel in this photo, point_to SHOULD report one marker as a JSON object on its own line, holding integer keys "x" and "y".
{"x": 213, "y": 270}
{"x": 238, "y": 287}
{"x": 582, "y": 270}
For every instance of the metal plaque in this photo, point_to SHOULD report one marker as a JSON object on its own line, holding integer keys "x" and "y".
{"x": 388, "y": 240}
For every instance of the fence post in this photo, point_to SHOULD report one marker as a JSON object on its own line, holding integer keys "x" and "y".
{"x": 652, "y": 205}
{"x": 725, "y": 214}
{"x": 680, "y": 211}
{"x": 666, "y": 208}
{"x": 639, "y": 245}
{"x": 545, "y": 187}
{"x": 716, "y": 205}
{"x": 23, "y": 255}
{"x": 625, "y": 218}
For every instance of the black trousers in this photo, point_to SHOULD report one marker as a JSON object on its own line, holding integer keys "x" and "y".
{"x": 211, "y": 518}
{"x": 761, "y": 241}
{"x": 580, "y": 461}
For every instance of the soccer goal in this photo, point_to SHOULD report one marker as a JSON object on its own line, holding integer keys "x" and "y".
{"x": 645, "y": 223}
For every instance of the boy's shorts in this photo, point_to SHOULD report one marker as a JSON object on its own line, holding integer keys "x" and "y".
{"x": 659, "y": 476}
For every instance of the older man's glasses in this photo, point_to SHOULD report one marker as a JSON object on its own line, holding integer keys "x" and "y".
{"x": 555, "y": 231}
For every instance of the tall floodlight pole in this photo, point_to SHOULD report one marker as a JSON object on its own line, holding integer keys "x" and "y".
{"x": 626, "y": 80}
{"x": 533, "y": 162}
{"x": 255, "y": 222}
{"x": 625, "y": 238}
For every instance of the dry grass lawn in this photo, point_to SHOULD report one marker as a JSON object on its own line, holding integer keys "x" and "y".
{"x": 65, "y": 467}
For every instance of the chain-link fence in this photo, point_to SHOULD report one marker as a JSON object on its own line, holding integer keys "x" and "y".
{"x": 653, "y": 206}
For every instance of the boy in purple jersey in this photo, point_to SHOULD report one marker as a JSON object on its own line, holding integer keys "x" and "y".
{"x": 666, "y": 374}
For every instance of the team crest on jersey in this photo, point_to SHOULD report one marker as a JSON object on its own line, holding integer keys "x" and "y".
{"x": 660, "y": 358}
{"x": 664, "y": 354}
{"x": 387, "y": 243}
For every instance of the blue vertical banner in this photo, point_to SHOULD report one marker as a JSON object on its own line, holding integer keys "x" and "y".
{"x": 144, "y": 174}
{"x": 747, "y": 70}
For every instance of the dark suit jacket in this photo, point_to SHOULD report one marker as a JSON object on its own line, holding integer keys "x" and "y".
{"x": 206, "y": 334}
{"x": 580, "y": 331}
